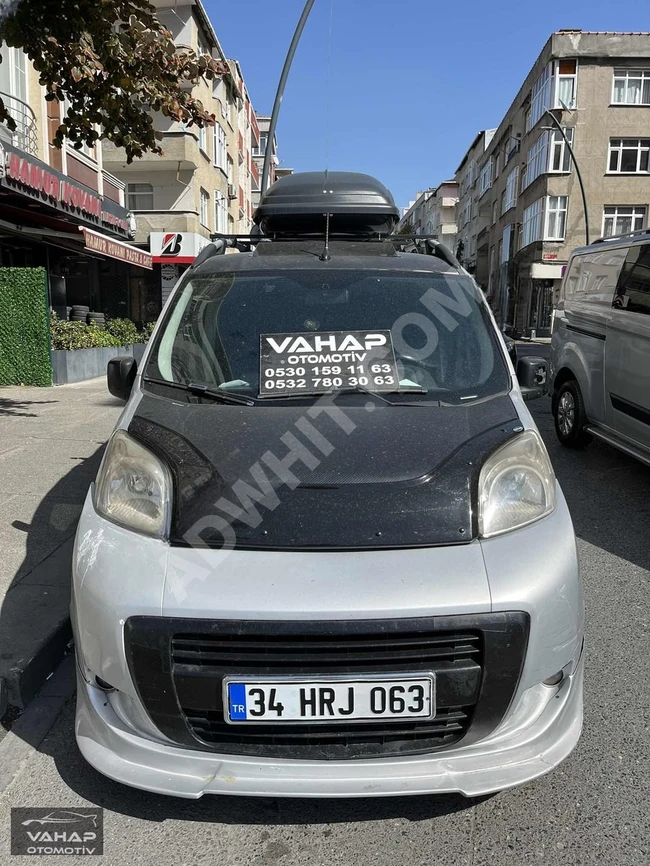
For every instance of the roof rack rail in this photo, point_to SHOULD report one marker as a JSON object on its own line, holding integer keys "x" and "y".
{"x": 216, "y": 248}
{"x": 432, "y": 247}
{"x": 631, "y": 234}
{"x": 422, "y": 244}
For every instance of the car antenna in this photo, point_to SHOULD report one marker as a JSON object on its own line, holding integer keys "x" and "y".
{"x": 325, "y": 255}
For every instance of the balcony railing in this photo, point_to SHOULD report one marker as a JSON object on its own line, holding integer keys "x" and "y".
{"x": 255, "y": 174}
{"x": 25, "y": 136}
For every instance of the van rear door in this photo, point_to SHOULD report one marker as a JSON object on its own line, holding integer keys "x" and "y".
{"x": 627, "y": 350}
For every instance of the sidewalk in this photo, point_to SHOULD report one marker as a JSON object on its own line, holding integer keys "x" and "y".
{"x": 51, "y": 441}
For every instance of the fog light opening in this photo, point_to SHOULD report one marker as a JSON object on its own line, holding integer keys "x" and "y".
{"x": 103, "y": 685}
{"x": 555, "y": 680}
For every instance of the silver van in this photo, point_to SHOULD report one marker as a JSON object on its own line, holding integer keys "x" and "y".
{"x": 326, "y": 554}
{"x": 600, "y": 355}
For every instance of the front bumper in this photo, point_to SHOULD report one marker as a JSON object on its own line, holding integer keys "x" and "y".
{"x": 118, "y": 575}
{"x": 540, "y": 732}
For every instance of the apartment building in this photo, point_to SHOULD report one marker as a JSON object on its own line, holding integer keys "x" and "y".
{"x": 433, "y": 213}
{"x": 471, "y": 227}
{"x": 248, "y": 141}
{"x": 598, "y": 87}
{"x": 203, "y": 182}
{"x": 276, "y": 170}
{"x": 61, "y": 209}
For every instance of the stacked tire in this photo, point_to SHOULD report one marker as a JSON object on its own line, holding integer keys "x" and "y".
{"x": 98, "y": 319}
{"x": 79, "y": 313}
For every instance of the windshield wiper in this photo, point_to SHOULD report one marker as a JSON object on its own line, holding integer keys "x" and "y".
{"x": 357, "y": 389}
{"x": 203, "y": 391}
{"x": 361, "y": 389}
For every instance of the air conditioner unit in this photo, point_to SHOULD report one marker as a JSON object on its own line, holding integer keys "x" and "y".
{"x": 232, "y": 190}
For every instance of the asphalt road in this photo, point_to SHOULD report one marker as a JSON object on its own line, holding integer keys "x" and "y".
{"x": 591, "y": 810}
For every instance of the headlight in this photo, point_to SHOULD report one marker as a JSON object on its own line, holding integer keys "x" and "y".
{"x": 516, "y": 486}
{"x": 133, "y": 487}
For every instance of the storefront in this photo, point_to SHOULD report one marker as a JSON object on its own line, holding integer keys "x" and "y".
{"x": 537, "y": 277}
{"x": 80, "y": 237}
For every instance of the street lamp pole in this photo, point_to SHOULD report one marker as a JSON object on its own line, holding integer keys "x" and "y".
{"x": 280, "y": 93}
{"x": 558, "y": 126}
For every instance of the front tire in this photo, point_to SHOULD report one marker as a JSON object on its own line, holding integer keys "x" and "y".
{"x": 570, "y": 416}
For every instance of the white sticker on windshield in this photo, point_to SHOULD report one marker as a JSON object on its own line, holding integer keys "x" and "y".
{"x": 314, "y": 363}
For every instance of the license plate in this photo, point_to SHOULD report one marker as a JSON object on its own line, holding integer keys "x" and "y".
{"x": 329, "y": 699}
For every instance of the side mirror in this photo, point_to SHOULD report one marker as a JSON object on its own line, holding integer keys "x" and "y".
{"x": 120, "y": 375}
{"x": 532, "y": 374}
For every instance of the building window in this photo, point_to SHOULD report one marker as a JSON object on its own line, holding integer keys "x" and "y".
{"x": 203, "y": 139}
{"x": 505, "y": 247}
{"x": 13, "y": 74}
{"x": 495, "y": 211}
{"x": 220, "y": 212}
{"x": 531, "y": 229}
{"x": 540, "y": 97}
{"x": 485, "y": 178}
{"x": 220, "y": 148}
{"x": 629, "y": 155}
{"x": 510, "y": 195}
{"x": 139, "y": 196}
{"x": 560, "y": 158}
{"x": 622, "y": 219}
{"x": 631, "y": 87}
{"x": 204, "y": 204}
{"x": 231, "y": 170}
{"x": 70, "y": 146}
{"x": 220, "y": 93}
{"x": 202, "y": 46}
{"x": 537, "y": 160}
{"x": 567, "y": 81}
{"x": 13, "y": 85}
{"x": 556, "y": 87}
{"x": 556, "y": 211}
{"x": 261, "y": 149}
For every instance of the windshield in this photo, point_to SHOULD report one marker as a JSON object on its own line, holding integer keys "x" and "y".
{"x": 277, "y": 334}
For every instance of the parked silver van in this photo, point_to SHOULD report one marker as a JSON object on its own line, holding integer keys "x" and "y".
{"x": 326, "y": 554}
{"x": 600, "y": 359}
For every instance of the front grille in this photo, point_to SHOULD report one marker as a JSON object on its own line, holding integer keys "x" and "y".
{"x": 178, "y": 666}
{"x": 455, "y": 657}
{"x": 314, "y": 652}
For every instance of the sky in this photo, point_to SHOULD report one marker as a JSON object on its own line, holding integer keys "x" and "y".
{"x": 401, "y": 88}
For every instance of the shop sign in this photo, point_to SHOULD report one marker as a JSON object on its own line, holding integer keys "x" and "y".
{"x": 97, "y": 243}
{"x": 177, "y": 248}
{"x": 38, "y": 181}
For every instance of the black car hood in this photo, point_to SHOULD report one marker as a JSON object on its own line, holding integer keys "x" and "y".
{"x": 352, "y": 477}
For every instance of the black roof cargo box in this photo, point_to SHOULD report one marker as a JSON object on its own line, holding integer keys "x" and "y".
{"x": 295, "y": 206}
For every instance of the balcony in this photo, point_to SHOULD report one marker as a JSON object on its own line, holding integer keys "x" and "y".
{"x": 255, "y": 175}
{"x": 25, "y": 136}
{"x": 180, "y": 153}
{"x": 148, "y": 221}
